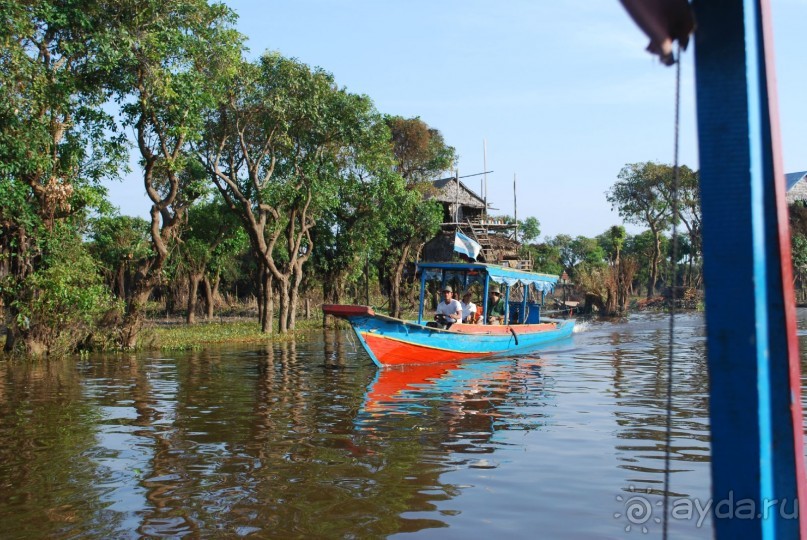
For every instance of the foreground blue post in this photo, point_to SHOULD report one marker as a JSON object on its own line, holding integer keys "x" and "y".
{"x": 756, "y": 419}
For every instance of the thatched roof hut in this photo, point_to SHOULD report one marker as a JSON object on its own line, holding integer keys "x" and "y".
{"x": 459, "y": 202}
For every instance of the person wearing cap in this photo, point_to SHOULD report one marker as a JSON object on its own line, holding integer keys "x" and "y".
{"x": 449, "y": 310}
{"x": 468, "y": 308}
{"x": 495, "y": 306}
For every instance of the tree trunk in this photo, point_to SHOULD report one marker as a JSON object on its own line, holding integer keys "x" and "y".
{"x": 610, "y": 301}
{"x": 10, "y": 340}
{"x": 193, "y": 291}
{"x": 333, "y": 287}
{"x": 120, "y": 280}
{"x": 266, "y": 302}
{"x": 210, "y": 295}
{"x": 260, "y": 281}
{"x": 397, "y": 277}
{"x": 294, "y": 296}
{"x": 651, "y": 282}
{"x": 283, "y": 310}
{"x": 135, "y": 315}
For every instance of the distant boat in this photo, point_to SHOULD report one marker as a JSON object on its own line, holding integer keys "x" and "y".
{"x": 394, "y": 342}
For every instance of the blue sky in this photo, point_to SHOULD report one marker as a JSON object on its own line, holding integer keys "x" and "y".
{"x": 562, "y": 91}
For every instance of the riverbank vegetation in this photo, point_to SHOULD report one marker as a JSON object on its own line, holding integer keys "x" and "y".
{"x": 273, "y": 189}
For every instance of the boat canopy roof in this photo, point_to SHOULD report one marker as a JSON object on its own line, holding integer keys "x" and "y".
{"x": 498, "y": 274}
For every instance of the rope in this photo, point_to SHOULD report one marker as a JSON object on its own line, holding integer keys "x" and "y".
{"x": 673, "y": 297}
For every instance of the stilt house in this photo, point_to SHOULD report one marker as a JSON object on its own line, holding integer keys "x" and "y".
{"x": 466, "y": 211}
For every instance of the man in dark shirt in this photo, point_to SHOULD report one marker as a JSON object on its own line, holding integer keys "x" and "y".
{"x": 495, "y": 306}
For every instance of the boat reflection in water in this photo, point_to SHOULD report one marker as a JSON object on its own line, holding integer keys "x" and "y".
{"x": 410, "y": 388}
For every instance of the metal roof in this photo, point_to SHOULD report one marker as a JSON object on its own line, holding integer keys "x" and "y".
{"x": 496, "y": 272}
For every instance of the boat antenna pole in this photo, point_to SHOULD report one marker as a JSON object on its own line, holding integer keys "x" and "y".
{"x": 457, "y": 198}
{"x": 485, "y": 178}
{"x": 515, "y": 208}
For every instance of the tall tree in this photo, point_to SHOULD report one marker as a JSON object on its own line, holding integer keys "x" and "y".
{"x": 118, "y": 243}
{"x": 353, "y": 230}
{"x": 613, "y": 241}
{"x": 638, "y": 196}
{"x": 689, "y": 214}
{"x": 408, "y": 229}
{"x": 529, "y": 229}
{"x": 573, "y": 251}
{"x": 421, "y": 155}
{"x": 177, "y": 60}
{"x": 546, "y": 257}
{"x": 274, "y": 149}
{"x": 641, "y": 248}
{"x": 57, "y": 143}
{"x": 212, "y": 232}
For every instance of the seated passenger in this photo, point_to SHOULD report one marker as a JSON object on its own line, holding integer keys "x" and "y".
{"x": 469, "y": 314}
{"x": 495, "y": 306}
{"x": 449, "y": 311}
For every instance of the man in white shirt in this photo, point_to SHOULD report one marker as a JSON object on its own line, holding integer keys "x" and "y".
{"x": 449, "y": 311}
{"x": 468, "y": 308}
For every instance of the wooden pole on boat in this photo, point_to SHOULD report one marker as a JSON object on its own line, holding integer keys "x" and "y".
{"x": 515, "y": 207}
{"x": 526, "y": 288}
{"x": 755, "y": 393}
{"x": 485, "y": 293}
{"x": 485, "y": 177}
{"x": 506, "y": 319}
{"x": 457, "y": 198}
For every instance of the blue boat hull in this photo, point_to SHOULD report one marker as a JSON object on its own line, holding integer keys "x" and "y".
{"x": 389, "y": 341}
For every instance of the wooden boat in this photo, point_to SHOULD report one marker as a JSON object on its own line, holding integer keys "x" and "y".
{"x": 390, "y": 341}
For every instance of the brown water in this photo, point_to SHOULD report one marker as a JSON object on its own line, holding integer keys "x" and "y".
{"x": 310, "y": 440}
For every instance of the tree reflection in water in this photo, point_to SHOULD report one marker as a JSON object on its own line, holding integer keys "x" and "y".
{"x": 310, "y": 439}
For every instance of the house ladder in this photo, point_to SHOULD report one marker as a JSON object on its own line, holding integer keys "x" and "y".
{"x": 480, "y": 233}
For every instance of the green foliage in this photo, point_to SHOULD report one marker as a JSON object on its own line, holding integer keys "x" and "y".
{"x": 177, "y": 59}
{"x": 55, "y": 136}
{"x": 115, "y": 239}
{"x": 213, "y": 237}
{"x": 421, "y": 153}
{"x": 354, "y": 229}
{"x": 612, "y": 241}
{"x": 639, "y": 194}
{"x": 573, "y": 251}
{"x": 529, "y": 229}
{"x": 546, "y": 258}
{"x": 642, "y": 196}
{"x": 301, "y": 169}
{"x": 178, "y": 55}
{"x": 641, "y": 247}
{"x": 799, "y": 254}
{"x": 60, "y": 305}
{"x": 58, "y": 141}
